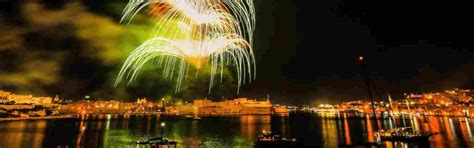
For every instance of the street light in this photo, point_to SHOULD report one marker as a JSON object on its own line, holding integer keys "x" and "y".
{"x": 162, "y": 126}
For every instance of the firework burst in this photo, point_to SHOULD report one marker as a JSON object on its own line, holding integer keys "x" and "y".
{"x": 210, "y": 32}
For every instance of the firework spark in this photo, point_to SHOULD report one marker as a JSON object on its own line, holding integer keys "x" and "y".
{"x": 210, "y": 32}
{"x": 217, "y": 14}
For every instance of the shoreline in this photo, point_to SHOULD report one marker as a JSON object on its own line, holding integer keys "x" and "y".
{"x": 38, "y": 118}
{"x": 331, "y": 115}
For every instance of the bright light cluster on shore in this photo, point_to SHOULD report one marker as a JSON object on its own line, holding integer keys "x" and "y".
{"x": 194, "y": 33}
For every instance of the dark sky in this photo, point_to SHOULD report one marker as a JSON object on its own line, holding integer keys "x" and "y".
{"x": 307, "y": 50}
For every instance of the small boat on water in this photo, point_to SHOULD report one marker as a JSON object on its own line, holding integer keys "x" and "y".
{"x": 267, "y": 139}
{"x": 407, "y": 134}
{"x": 157, "y": 142}
{"x": 193, "y": 117}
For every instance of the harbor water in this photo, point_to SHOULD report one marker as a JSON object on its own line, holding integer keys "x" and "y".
{"x": 308, "y": 128}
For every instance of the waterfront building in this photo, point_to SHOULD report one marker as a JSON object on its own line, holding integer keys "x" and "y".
{"x": 42, "y": 100}
{"x": 455, "y": 102}
{"x": 18, "y": 105}
{"x": 238, "y": 106}
{"x": 325, "y": 108}
{"x": 141, "y": 101}
{"x": 280, "y": 110}
{"x": 111, "y": 107}
{"x": 4, "y": 96}
{"x": 8, "y": 97}
{"x": 20, "y": 99}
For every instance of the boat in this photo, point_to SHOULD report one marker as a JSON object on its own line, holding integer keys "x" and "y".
{"x": 267, "y": 139}
{"x": 139, "y": 142}
{"x": 406, "y": 134}
{"x": 157, "y": 142}
{"x": 195, "y": 117}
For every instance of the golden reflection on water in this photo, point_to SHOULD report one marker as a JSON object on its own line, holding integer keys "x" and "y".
{"x": 468, "y": 129}
{"x": 107, "y": 126}
{"x": 370, "y": 130}
{"x": 414, "y": 122}
{"x": 82, "y": 129}
{"x": 379, "y": 124}
{"x": 464, "y": 130}
{"x": 250, "y": 126}
{"x": 20, "y": 131}
{"x": 106, "y": 130}
{"x": 284, "y": 130}
{"x": 445, "y": 126}
{"x": 433, "y": 125}
{"x": 329, "y": 131}
{"x": 347, "y": 133}
{"x": 148, "y": 125}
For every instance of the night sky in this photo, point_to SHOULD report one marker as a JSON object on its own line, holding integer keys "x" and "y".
{"x": 306, "y": 52}
{"x": 411, "y": 47}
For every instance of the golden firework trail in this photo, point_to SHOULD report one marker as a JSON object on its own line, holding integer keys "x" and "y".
{"x": 195, "y": 33}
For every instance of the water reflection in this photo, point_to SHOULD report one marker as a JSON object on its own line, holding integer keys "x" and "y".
{"x": 313, "y": 130}
{"x": 466, "y": 131}
{"x": 370, "y": 131}
{"x": 19, "y": 133}
{"x": 347, "y": 134}
{"x": 253, "y": 125}
{"x": 330, "y": 132}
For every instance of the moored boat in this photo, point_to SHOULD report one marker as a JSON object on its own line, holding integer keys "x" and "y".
{"x": 407, "y": 134}
{"x": 267, "y": 139}
{"x": 157, "y": 142}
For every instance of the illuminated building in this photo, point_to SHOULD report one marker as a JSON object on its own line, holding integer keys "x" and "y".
{"x": 325, "y": 108}
{"x": 26, "y": 105}
{"x": 8, "y": 97}
{"x": 455, "y": 102}
{"x": 141, "y": 101}
{"x": 281, "y": 110}
{"x": 4, "y": 96}
{"x": 238, "y": 106}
